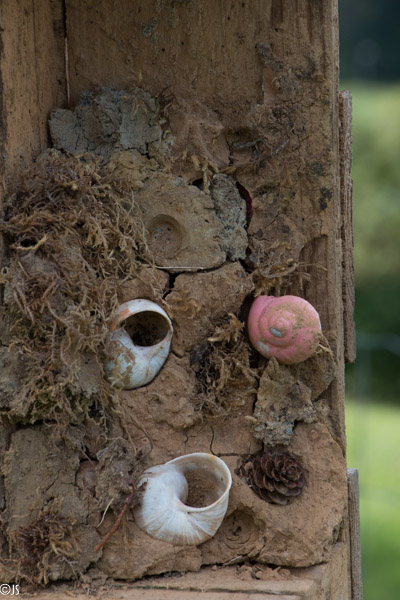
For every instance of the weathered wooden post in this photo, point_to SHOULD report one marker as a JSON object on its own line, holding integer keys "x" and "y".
{"x": 225, "y": 121}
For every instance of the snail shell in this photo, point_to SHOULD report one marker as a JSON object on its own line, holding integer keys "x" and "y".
{"x": 137, "y": 351}
{"x": 287, "y": 328}
{"x": 199, "y": 478}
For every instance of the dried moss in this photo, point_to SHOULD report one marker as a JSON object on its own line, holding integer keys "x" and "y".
{"x": 47, "y": 541}
{"x": 75, "y": 236}
{"x": 274, "y": 272}
{"x": 225, "y": 378}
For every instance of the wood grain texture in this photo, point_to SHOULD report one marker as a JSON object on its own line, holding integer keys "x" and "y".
{"x": 151, "y": 594}
{"x": 355, "y": 538}
{"x": 32, "y": 75}
{"x": 325, "y": 581}
{"x": 346, "y": 195}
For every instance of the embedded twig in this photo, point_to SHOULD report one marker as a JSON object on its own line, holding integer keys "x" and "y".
{"x": 116, "y": 524}
{"x": 136, "y": 492}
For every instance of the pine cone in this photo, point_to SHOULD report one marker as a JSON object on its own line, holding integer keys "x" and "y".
{"x": 276, "y": 477}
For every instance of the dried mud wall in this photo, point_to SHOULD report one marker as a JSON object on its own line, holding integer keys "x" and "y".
{"x": 261, "y": 80}
{"x": 222, "y": 119}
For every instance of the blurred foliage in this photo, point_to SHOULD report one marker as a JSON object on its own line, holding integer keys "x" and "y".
{"x": 369, "y": 34}
{"x": 376, "y": 176}
{"x": 372, "y": 436}
{"x": 370, "y": 68}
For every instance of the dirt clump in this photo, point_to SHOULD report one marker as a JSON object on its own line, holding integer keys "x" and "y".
{"x": 196, "y": 314}
{"x": 230, "y": 209}
{"x": 203, "y": 491}
{"x": 282, "y": 400}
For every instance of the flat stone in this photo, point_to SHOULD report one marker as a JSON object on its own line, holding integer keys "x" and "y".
{"x": 183, "y": 229}
{"x": 105, "y": 120}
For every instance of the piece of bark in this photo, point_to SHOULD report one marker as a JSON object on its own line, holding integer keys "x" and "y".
{"x": 346, "y": 196}
{"x": 355, "y": 540}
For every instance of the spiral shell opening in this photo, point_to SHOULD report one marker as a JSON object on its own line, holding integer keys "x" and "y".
{"x": 146, "y": 328}
{"x": 185, "y": 500}
{"x": 140, "y": 341}
{"x": 207, "y": 477}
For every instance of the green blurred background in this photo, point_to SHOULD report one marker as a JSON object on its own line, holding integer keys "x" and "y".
{"x": 370, "y": 68}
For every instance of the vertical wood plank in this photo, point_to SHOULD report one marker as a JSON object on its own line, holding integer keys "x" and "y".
{"x": 32, "y": 76}
{"x": 346, "y": 194}
{"x": 355, "y": 539}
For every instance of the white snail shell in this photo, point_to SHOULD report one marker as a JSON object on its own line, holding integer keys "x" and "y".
{"x": 137, "y": 351}
{"x": 163, "y": 513}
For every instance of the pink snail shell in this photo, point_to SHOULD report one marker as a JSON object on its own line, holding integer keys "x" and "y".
{"x": 287, "y": 328}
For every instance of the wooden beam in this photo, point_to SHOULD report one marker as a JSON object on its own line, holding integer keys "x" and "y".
{"x": 355, "y": 538}
{"x": 32, "y": 76}
{"x": 346, "y": 198}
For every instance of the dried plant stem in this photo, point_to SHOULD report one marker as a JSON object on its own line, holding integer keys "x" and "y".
{"x": 116, "y": 524}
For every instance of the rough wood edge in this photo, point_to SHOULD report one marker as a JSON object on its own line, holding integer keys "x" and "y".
{"x": 141, "y": 594}
{"x": 346, "y": 195}
{"x": 355, "y": 538}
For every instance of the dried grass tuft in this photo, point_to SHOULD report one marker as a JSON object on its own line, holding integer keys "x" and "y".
{"x": 47, "y": 541}
{"x": 276, "y": 272}
{"x": 225, "y": 378}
